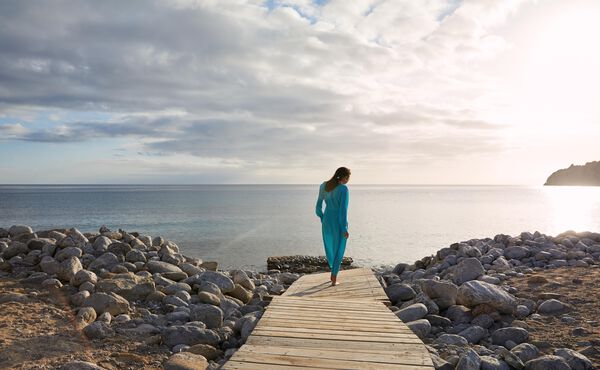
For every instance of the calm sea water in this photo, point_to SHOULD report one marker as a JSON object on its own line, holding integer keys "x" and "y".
{"x": 241, "y": 225}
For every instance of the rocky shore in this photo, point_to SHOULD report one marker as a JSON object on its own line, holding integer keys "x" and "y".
{"x": 486, "y": 303}
{"x": 115, "y": 299}
{"x": 117, "y": 288}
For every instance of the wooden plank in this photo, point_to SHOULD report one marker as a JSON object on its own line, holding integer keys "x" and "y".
{"x": 365, "y": 312}
{"x": 238, "y": 365}
{"x": 318, "y": 362}
{"x": 340, "y": 337}
{"x": 337, "y": 344}
{"x": 348, "y": 325}
{"x": 335, "y": 331}
{"x": 360, "y": 355}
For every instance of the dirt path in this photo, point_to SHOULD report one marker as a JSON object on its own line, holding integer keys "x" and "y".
{"x": 36, "y": 332}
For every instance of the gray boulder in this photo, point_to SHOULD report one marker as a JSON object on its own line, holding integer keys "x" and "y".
{"x": 98, "y": 330}
{"x": 107, "y": 302}
{"x": 491, "y": 363}
{"x": 224, "y": 283}
{"x": 185, "y": 361}
{"x": 106, "y": 261}
{"x": 80, "y": 365}
{"x": 474, "y": 334}
{"x": 469, "y": 360}
{"x": 16, "y": 230}
{"x": 452, "y": 339}
{"x": 576, "y": 360}
{"x": 211, "y": 315}
{"x": 467, "y": 270}
{"x": 161, "y": 267}
{"x": 189, "y": 335}
{"x": 547, "y": 363}
{"x": 68, "y": 269}
{"x": 552, "y": 306}
{"x": 400, "y": 292}
{"x": 413, "y": 312}
{"x": 420, "y": 327}
{"x": 517, "y": 335}
{"x": 473, "y": 293}
{"x": 133, "y": 288}
{"x": 439, "y": 289}
{"x": 525, "y": 351}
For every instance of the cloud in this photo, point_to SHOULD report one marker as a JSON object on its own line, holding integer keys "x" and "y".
{"x": 264, "y": 83}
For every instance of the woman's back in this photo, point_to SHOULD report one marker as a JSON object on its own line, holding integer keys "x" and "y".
{"x": 333, "y": 199}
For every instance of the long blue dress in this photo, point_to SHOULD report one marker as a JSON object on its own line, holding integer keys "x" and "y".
{"x": 334, "y": 223}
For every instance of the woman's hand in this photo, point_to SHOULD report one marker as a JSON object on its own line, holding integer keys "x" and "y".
{"x": 346, "y": 235}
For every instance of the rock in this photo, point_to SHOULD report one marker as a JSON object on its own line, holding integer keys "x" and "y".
{"x": 473, "y": 334}
{"x": 210, "y": 298}
{"x": 176, "y": 287}
{"x": 439, "y": 289}
{"x": 547, "y": 363}
{"x": 552, "y": 306}
{"x": 82, "y": 276}
{"x": 241, "y": 278}
{"x": 517, "y": 335}
{"x": 185, "y": 361}
{"x": 161, "y": 267}
{"x": 78, "y": 298}
{"x": 174, "y": 301}
{"x": 106, "y": 261}
{"x": 469, "y": 360}
{"x": 134, "y": 256}
{"x": 467, "y": 270}
{"x": 437, "y": 320}
{"x": 17, "y": 230}
{"x": 440, "y": 364}
{"x": 400, "y": 292}
{"x": 516, "y": 252}
{"x": 118, "y": 249}
{"x": 68, "y": 268}
{"x": 525, "y": 351}
{"x": 107, "y": 302}
{"x": 14, "y": 249}
{"x": 52, "y": 284}
{"x": 98, "y": 330}
{"x": 459, "y": 314}
{"x": 66, "y": 253}
{"x": 452, "y": 339}
{"x": 209, "y": 265}
{"x": 133, "y": 289}
{"x": 473, "y": 293}
{"x": 80, "y": 365}
{"x": 224, "y": 283}
{"x": 574, "y": 359}
{"x": 491, "y": 363}
{"x": 413, "y": 312}
{"x": 189, "y": 335}
{"x": 241, "y": 293}
{"x": 420, "y": 327}
{"x": 208, "y": 351}
{"x": 49, "y": 265}
{"x": 211, "y": 315}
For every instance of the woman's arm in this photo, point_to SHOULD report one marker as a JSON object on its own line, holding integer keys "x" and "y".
{"x": 344, "y": 208}
{"x": 319, "y": 208}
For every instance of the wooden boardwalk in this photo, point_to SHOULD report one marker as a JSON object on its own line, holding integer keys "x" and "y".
{"x": 314, "y": 325}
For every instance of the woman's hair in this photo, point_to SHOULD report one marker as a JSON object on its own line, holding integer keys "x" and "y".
{"x": 337, "y": 176}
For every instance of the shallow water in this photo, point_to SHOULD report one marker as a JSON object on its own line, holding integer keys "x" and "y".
{"x": 241, "y": 225}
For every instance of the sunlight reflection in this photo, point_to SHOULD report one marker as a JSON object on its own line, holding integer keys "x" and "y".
{"x": 572, "y": 207}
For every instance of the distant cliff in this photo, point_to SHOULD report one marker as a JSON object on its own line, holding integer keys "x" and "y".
{"x": 588, "y": 175}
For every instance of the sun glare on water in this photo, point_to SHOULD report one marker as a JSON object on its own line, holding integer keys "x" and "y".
{"x": 573, "y": 208}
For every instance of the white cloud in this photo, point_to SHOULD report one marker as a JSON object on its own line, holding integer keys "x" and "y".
{"x": 264, "y": 88}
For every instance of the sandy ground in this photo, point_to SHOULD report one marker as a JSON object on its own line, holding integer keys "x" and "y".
{"x": 36, "y": 332}
{"x": 580, "y": 288}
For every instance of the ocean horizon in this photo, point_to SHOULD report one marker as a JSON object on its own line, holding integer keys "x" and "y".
{"x": 241, "y": 225}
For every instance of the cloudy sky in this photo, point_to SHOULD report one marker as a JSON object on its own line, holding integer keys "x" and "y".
{"x": 285, "y": 91}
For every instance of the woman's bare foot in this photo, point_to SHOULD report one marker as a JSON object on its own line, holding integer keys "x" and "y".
{"x": 334, "y": 280}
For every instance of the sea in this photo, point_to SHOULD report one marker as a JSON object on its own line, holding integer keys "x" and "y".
{"x": 240, "y": 226}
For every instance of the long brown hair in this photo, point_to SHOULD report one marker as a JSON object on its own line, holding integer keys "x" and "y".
{"x": 335, "y": 179}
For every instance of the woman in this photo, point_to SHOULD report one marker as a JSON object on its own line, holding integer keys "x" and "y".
{"x": 334, "y": 222}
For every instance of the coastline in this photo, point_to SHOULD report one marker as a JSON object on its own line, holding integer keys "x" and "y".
{"x": 125, "y": 287}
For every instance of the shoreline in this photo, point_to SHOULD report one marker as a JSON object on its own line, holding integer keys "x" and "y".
{"x": 120, "y": 285}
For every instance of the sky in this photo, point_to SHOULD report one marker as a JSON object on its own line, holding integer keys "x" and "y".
{"x": 286, "y": 91}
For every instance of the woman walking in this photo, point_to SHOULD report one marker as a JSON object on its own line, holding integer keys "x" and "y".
{"x": 334, "y": 222}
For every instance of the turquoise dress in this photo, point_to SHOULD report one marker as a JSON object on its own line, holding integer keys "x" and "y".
{"x": 334, "y": 223}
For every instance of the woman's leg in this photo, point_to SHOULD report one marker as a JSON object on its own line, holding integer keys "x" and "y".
{"x": 337, "y": 259}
